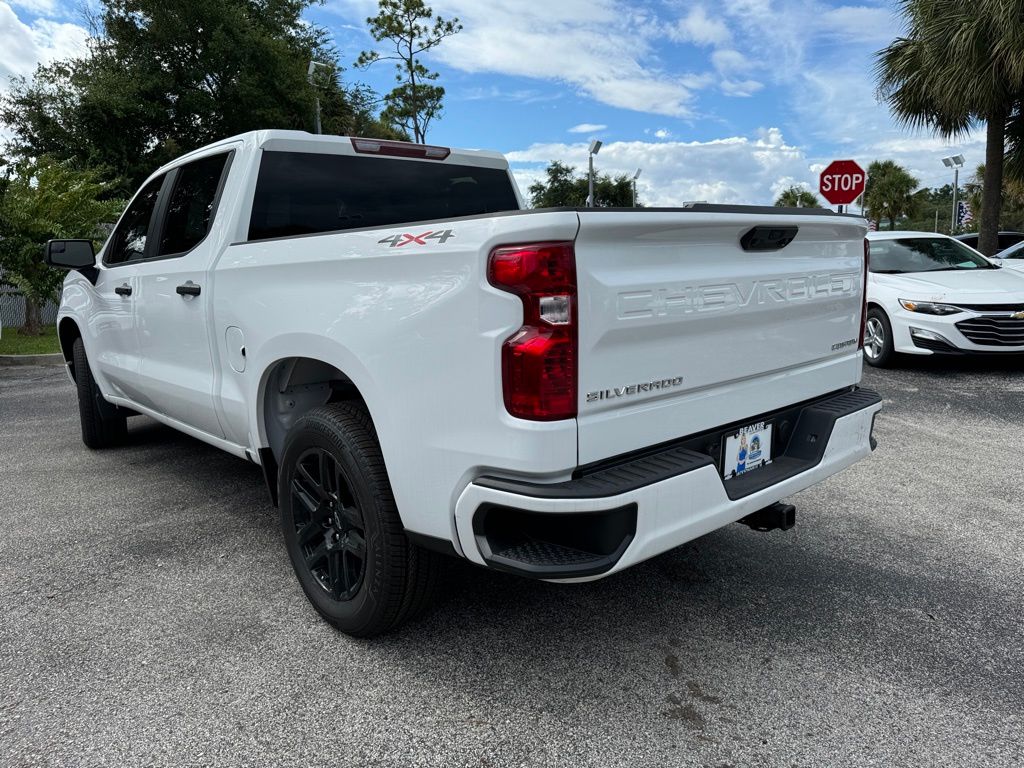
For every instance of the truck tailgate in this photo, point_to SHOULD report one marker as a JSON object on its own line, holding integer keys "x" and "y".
{"x": 682, "y": 329}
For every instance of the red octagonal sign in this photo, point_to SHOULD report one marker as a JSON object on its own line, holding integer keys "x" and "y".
{"x": 842, "y": 182}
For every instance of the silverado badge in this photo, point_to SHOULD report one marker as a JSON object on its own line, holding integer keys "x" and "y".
{"x": 634, "y": 389}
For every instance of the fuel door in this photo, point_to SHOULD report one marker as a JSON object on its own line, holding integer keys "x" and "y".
{"x": 234, "y": 343}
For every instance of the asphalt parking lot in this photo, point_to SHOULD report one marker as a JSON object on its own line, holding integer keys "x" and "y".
{"x": 149, "y": 616}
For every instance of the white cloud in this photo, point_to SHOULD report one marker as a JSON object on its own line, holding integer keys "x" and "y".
{"x": 663, "y": 133}
{"x": 587, "y": 128}
{"x": 859, "y": 24}
{"x": 732, "y": 65}
{"x": 602, "y": 48}
{"x": 24, "y": 46}
{"x": 699, "y": 28}
{"x": 737, "y": 169}
{"x": 37, "y": 7}
{"x": 729, "y": 61}
{"x": 740, "y": 87}
{"x": 493, "y": 93}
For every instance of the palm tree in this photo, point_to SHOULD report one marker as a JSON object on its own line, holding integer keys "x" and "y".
{"x": 797, "y": 197}
{"x": 889, "y": 193}
{"x": 960, "y": 64}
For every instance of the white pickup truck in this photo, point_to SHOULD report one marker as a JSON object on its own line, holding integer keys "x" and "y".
{"x": 419, "y": 365}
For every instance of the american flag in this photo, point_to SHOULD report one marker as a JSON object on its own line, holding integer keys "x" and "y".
{"x": 963, "y": 214}
{"x": 872, "y": 226}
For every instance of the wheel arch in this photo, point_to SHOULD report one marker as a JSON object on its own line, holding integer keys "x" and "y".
{"x": 291, "y": 387}
{"x": 67, "y": 332}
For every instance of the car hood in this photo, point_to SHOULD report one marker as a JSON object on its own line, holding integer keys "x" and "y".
{"x": 984, "y": 286}
{"x": 1016, "y": 264}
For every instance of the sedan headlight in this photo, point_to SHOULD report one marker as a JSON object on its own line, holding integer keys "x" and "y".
{"x": 929, "y": 308}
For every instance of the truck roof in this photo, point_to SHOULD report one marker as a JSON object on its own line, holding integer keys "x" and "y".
{"x": 303, "y": 141}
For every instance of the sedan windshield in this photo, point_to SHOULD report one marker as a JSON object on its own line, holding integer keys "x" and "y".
{"x": 1013, "y": 252}
{"x": 924, "y": 254}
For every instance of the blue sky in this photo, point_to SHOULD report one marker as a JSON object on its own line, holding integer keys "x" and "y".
{"x": 720, "y": 100}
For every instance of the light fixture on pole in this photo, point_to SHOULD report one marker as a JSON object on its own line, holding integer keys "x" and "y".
{"x": 309, "y": 76}
{"x": 955, "y": 162}
{"x": 635, "y": 177}
{"x": 595, "y": 147}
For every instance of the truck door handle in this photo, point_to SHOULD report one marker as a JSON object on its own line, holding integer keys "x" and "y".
{"x": 123, "y": 290}
{"x": 188, "y": 289}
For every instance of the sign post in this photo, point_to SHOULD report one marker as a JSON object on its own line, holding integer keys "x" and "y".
{"x": 842, "y": 182}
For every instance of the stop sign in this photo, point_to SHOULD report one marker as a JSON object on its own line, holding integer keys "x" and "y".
{"x": 842, "y": 182}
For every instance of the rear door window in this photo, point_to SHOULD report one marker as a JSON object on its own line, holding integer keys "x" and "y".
{"x": 191, "y": 205}
{"x": 128, "y": 243}
{"x": 299, "y": 193}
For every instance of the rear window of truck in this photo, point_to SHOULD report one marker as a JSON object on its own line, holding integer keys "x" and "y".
{"x": 302, "y": 193}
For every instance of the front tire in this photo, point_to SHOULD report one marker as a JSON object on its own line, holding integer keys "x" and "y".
{"x": 878, "y": 346}
{"x": 341, "y": 525}
{"x": 103, "y": 424}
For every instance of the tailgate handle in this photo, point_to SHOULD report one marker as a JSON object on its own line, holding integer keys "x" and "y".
{"x": 768, "y": 238}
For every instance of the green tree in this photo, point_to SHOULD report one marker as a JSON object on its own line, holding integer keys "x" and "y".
{"x": 43, "y": 200}
{"x": 163, "y": 77}
{"x": 563, "y": 188}
{"x": 412, "y": 29}
{"x": 960, "y": 64}
{"x": 1012, "y": 213}
{"x": 932, "y": 210}
{"x": 889, "y": 193}
{"x": 797, "y": 197}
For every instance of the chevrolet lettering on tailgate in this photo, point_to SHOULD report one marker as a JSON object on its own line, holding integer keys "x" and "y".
{"x": 723, "y": 297}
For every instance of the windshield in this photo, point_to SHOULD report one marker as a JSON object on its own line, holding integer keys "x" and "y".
{"x": 924, "y": 254}
{"x": 1013, "y": 252}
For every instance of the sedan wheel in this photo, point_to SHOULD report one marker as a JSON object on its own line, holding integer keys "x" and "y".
{"x": 874, "y": 338}
{"x": 878, "y": 349}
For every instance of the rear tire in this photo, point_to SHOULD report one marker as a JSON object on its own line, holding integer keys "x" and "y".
{"x": 103, "y": 424}
{"x": 342, "y": 529}
{"x": 878, "y": 346}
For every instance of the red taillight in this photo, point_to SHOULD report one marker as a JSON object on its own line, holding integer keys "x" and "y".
{"x": 400, "y": 149}
{"x": 538, "y": 362}
{"x": 864, "y": 295}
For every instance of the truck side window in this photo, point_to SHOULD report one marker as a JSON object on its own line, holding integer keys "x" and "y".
{"x": 190, "y": 208}
{"x": 302, "y": 193}
{"x": 128, "y": 243}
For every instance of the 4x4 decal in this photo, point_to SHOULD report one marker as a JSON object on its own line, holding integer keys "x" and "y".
{"x": 397, "y": 241}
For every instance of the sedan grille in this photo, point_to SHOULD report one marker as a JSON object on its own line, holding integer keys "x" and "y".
{"x": 993, "y": 331}
{"x": 1018, "y": 307}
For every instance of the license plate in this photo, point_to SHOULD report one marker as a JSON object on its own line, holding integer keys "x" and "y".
{"x": 747, "y": 449}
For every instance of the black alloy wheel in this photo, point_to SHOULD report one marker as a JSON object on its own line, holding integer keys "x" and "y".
{"x": 328, "y": 524}
{"x": 341, "y": 525}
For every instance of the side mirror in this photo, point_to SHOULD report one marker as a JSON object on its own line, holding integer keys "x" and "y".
{"x": 69, "y": 254}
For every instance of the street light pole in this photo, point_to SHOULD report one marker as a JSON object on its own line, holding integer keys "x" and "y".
{"x": 595, "y": 147}
{"x": 635, "y": 177}
{"x": 956, "y": 194}
{"x": 956, "y": 163}
{"x": 309, "y": 76}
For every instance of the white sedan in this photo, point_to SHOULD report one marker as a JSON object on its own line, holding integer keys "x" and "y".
{"x": 1012, "y": 257}
{"x": 928, "y": 294}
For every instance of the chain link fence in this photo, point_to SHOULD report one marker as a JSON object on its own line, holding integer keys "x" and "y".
{"x": 12, "y": 307}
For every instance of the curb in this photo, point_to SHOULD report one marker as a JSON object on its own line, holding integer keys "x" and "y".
{"x": 55, "y": 359}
